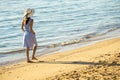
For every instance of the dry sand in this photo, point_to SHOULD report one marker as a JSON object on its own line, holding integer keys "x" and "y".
{"x": 100, "y": 61}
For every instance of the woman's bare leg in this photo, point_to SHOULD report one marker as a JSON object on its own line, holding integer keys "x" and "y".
{"x": 34, "y": 51}
{"x": 27, "y": 54}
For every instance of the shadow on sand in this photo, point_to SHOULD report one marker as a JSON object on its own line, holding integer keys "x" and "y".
{"x": 75, "y": 62}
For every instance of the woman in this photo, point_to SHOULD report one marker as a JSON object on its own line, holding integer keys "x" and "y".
{"x": 29, "y": 39}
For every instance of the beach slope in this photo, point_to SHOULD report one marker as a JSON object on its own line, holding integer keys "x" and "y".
{"x": 96, "y": 62}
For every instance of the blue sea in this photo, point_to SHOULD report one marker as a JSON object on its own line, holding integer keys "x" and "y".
{"x": 59, "y": 25}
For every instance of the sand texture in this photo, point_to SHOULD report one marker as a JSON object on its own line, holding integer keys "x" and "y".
{"x": 100, "y": 61}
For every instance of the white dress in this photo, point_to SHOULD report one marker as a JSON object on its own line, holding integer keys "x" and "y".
{"x": 29, "y": 39}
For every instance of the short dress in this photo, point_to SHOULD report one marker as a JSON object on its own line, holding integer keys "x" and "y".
{"x": 29, "y": 39}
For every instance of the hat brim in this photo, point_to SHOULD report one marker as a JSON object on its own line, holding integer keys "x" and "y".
{"x": 29, "y": 14}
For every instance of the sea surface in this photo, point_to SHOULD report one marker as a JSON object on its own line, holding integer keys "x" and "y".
{"x": 59, "y": 25}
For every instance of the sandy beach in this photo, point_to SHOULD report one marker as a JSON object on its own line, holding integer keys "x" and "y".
{"x": 99, "y": 61}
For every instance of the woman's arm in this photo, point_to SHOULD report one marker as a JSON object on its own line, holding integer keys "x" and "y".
{"x": 22, "y": 27}
{"x": 31, "y": 29}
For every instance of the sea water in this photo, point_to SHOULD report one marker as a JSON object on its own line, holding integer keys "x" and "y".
{"x": 57, "y": 23}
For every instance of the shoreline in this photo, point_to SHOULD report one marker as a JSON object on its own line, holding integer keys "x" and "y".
{"x": 60, "y": 62}
{"x": 51, "y": 50}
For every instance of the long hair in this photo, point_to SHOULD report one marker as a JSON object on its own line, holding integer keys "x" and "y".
{"x": 26, "y": 19}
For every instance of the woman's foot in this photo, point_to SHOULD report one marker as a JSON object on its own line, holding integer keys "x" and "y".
{"x": 29, "y": 61}
{"x": 34, "y": 58}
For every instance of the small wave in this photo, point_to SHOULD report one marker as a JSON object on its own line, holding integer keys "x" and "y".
{"x": 57, "y": 21}
{"x": 85, "y": 38}
{"x": 113, "y": 29}
{"x": 9, "y": 36}
{"x": 10, "y": 52}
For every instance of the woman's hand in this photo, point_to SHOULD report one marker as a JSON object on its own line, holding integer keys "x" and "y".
{"x": 33, "y": 32}
{"x": 22, "y": 27}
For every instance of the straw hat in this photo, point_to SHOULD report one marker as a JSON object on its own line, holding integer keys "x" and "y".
{"x": 29, "y": 12}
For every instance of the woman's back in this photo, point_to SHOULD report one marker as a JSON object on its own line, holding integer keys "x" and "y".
{"x": 27, "y": 25}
